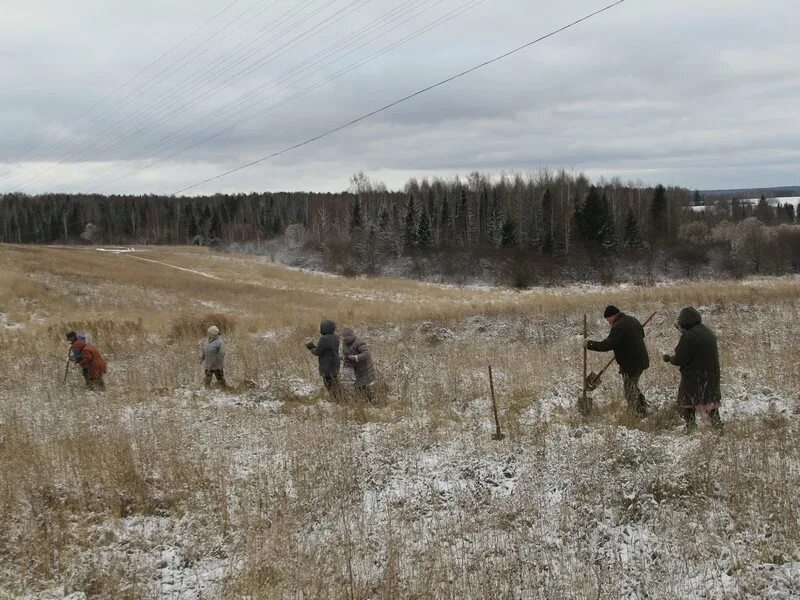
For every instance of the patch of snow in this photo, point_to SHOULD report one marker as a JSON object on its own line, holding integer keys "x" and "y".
{"x": 165, "y": 264}
{"x": 116, "y": 250}
{"x": 5, "y": 323}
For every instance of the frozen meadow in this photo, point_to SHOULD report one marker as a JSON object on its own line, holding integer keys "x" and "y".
{"x": 161, "y": 489}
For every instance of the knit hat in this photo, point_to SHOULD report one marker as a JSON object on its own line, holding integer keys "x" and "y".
{"x": 689, "y": 317}
{"x": 213, "y": 330}
{"x": 610, "y": 311}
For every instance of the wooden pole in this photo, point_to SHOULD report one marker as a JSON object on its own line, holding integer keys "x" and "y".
{"x": 498, "y": 435}
{"x": 585, "y": 402}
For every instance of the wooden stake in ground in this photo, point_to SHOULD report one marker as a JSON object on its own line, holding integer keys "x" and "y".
{"x": 498, "y": 435}
{"x": 585, "y": 401}
{"x": 66, "y": 369}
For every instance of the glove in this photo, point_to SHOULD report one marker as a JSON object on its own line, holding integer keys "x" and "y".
{"x": 666, "y": 358}
{"x": 351, "y": 358}
{"x": 310, "y": 345}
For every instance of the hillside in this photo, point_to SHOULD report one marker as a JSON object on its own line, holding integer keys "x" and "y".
{"x": 159, "y": 488}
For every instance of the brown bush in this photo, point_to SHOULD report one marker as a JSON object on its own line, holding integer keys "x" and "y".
{"x": 190, "y": 326}
{"x": 109, "y": 334}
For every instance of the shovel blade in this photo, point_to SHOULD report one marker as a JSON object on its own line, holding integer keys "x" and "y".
{"x": 585, "y": 407}
{"x": 592, "y": 381}
{"x": 498, "y": 436}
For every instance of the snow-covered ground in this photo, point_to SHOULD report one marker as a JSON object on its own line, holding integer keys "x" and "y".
{"x": 781, "y": 201}
{"x": 162, "y": 489}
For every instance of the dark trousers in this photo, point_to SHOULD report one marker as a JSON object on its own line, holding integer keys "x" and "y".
{"x": 331, "y": 382}
{"x": 634, "y": 397}
{"x": 219, "y": 374}
{"x": 364, "y": 393}
{"x": 97, "y": 384}
{"x": 689, "y": 414}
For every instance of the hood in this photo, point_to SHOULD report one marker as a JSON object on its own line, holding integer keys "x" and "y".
{"x": 689, "y": 317}
{"x": 214, "y": 336}
{"x": 327, "y": 327}
{"x": 348, "y": 335}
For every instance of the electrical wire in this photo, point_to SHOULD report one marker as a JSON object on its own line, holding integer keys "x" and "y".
{"x": 401, "y": 100}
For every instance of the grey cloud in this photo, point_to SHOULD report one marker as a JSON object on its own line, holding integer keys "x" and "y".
{"x": 683, "y": 92}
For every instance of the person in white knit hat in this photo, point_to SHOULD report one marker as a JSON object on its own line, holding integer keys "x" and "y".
{"x": 213, "y": 358}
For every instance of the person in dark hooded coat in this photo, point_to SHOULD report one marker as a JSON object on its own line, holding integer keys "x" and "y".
{"x": 356, "y": 353}
{"x": 697, "y": 356}
{"x": 626, "y": 339}
{"x": 327, "y": 351}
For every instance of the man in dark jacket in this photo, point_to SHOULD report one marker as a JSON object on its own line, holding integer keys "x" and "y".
{"x": 327, "y": 351}
{"x": 626, "y": 339}
{"x": 697, "y": 356}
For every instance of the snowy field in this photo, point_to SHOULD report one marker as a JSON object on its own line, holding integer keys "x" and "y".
{"x": 161, "y": 489}
{"x": 781, "y": 201}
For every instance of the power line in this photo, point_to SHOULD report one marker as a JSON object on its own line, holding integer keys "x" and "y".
{"x": 401, "y": 100}
{"x": 123, "y": 133}
{"x": 237, "y": 107}
{"x": 141, "y": 72}
{"x": 160, "y": 76}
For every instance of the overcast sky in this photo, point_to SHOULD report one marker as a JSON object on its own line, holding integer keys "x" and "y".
{"x": 157, "y": 95}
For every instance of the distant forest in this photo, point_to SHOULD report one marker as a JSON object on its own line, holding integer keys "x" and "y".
{"x": 529, "y": 226}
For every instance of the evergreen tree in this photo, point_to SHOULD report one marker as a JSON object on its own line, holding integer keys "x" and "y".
{"x": 508, "y": 232}
{"x": 608, "y": 235}
{"x": 410, "y": 223}
{"x": 445, "y": 233}
{"x": 594, "y": 216}
{"x": 697, "y": 200}
{"x": 630, "y": 236}
{"x": 789, "y": 210}
{"x": 658, "y": 212}
{"x": 382, "y": 218}
{"x": 356, "y": 220}
{"x": 763, "y": 211}
{"x": 424, "y": 237}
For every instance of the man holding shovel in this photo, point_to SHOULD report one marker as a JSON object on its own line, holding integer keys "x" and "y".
{"x": 626, "y": 339}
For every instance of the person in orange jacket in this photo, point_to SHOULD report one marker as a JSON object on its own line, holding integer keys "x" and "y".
{"x": 93, "y": 364}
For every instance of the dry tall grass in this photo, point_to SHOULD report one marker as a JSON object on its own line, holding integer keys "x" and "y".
{"x": 160, "y": 489}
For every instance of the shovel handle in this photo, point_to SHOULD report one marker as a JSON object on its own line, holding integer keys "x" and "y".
{"x": 497, "y": 435}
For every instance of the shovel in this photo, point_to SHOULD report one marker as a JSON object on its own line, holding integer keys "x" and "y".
{"x": 592, "y": 380}
{"x": 497, "y": 435}
{"x": 585, "y": 401}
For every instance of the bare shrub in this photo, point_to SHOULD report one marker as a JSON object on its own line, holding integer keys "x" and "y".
{"x": 193, "y": 327}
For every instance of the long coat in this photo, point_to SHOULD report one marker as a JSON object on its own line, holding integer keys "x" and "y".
{"x": 697, "y": 355}
{"x": 214, "y": 354}
{"x": 356, "y": 350}
{"x": 327, "y": 349}
{"x": 91, "y": 360}
{"x": 626, "y": 339}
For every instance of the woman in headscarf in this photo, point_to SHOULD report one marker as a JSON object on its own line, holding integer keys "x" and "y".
{"x": 213, "y": 358}
{"x": 356, "y": 353}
